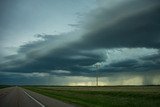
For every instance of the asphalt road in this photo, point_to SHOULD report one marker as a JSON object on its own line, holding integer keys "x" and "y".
{"x": 19, "y": 97}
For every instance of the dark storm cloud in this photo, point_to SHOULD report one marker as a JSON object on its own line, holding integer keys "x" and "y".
{"x": 144, "y": 64}
{"x": 127, "y": 63}
{"x": 134, "y": 27}
{"x": 54, "y": 59}
{"x": 151, "y": 62}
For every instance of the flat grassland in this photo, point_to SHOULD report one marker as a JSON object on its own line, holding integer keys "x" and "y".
{"x": 106, "y": 96}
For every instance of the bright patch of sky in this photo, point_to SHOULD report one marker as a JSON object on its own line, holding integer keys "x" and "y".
{"x": 122, "y": 54}
{"x": 22, "y": 19}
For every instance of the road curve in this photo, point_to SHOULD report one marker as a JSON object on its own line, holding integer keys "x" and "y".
{"x": 19, "y": 97}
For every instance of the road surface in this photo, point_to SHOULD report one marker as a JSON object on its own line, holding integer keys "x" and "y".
{"x": 19, "y": 97}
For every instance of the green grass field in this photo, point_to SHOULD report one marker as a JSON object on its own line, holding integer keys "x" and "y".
{"x": 4, "y": 86}
{"x": 118, "y": 96}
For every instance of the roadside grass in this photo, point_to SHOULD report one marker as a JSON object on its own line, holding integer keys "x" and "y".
{"x": 4, "y": 86}
{"x": 111, "y": 98}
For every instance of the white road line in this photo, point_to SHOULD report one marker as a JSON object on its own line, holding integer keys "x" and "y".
{"x": 34, "y": 99}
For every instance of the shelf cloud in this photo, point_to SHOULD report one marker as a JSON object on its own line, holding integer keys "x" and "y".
{"x": 123, "y": 38}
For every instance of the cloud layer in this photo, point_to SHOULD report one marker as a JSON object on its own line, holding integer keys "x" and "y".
{"x": 106, "y": 36}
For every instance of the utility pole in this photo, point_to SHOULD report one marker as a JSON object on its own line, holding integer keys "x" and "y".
{"x": 48, "y": 80}
{"x": 97, "y": 66}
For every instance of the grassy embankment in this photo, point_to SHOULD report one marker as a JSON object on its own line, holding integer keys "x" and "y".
{"x": 143, "y": 96}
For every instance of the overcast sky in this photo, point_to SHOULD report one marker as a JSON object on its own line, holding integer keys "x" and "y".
{"x": 60, "y": 42}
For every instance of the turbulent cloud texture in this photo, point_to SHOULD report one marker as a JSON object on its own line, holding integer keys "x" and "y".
{"x": 121, "y": 38}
